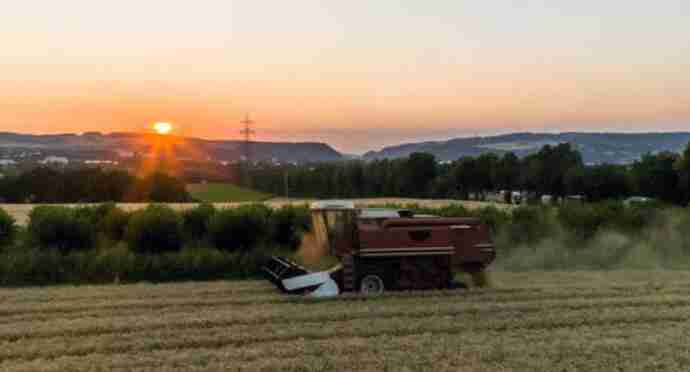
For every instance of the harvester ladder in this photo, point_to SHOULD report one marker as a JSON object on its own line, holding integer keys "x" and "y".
{"x": 348, "y": 273}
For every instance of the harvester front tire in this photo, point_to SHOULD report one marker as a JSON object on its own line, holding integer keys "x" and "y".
{"x": 371, "y": 285}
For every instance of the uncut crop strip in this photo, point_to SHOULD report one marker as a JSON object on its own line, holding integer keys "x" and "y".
{"x": 348, "y": 304}
{"x": 442, "y": 319}
{"x": 440, "y": 327}
{"x": 531, "y": 348}
{"x": 91, "y": 292}
{"x": 449, "y": 351}
{"x": 67, "y": 310}
{"x": 124, "y": 296}
{"x": 640, "y": 324}
{"x": 293, "y": 311}
{"x": 557, "y": 282}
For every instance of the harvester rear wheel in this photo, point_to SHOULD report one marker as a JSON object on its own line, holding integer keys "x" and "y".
{"x": 371, "y": 284}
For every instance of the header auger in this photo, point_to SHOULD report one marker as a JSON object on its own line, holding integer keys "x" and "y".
{"x": 386, "y": 249}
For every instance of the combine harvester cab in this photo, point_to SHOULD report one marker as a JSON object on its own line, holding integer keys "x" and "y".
{"x": 385, "y": 249}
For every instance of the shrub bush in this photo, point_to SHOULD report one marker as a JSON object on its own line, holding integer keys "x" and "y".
{"x": 452, "y": 210}
{"x": 530, "y": 224}
{"x": 62, "y": 228}
{"x": 240, "y": 228}
{"x": 96, "y": 213}
{"x": 494, "y": 218}
{"x": 681, "y": 228}
{"x": 7, "y": 228}
{"x": 586, "y": 220}
{"x": 302, "y": 217}
{"x": 196, "y": 221}
{"x": 114, "y": 224}
{"x": 287, "y": 229}
{"x": 639, "y": 216}
{"x": 582, "y": 221}
{"x": 156, "y": 229}
{"x": 34, "y": 266}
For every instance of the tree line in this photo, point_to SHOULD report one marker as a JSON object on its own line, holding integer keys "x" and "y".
{"x": 554, "y": 170}
{"x": 90, "y": 185}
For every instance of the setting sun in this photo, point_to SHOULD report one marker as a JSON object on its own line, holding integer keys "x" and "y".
{"x": 162, "y": 128}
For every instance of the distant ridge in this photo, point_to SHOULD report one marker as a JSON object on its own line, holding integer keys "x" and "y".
{"x": 99, "y": 145}
{"x": 619, "y": 148}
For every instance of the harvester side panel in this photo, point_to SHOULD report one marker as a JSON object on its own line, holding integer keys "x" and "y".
{"x": 411, "y": 237}
{"x": 474, "y": 248}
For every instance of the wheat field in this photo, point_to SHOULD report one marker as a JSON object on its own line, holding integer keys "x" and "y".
{"x": 579, "y": 321}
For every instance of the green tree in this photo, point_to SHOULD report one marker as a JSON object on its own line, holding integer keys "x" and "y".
{"x": 486, "y": 173}
{"x": 575, "y": 181}
{"x": 508, "y": 172}
{"x": 683, "y": 169}
{"x": 655, "y": 176}
{"x": 160, "y": 187}
{"x": 606, "y": 181}
{"x": 420, "y": 172}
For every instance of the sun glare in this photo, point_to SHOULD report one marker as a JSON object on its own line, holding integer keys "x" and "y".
{"x": 162, "y": 128}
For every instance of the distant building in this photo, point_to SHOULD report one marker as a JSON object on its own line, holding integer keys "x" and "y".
{"x": 125, "y": 154}
{"x": 101, "y": 162}
{"x": 55, "y": 160}
{"x": 637, "y": 200}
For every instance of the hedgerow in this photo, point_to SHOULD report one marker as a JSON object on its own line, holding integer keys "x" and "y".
{"x": 156, "y": 229}
{"x": 114, "y": 224}
{"x": 196, "y": 220}
{"x": 8, "y": 229}
{"x": 63, "y": 228}
{"x": 158, "y": 243}
{"x": 241, "y": 228}
{"x": 288, "y": 225}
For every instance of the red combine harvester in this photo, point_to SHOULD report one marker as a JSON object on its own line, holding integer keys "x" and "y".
{"x": 385, "y": 249}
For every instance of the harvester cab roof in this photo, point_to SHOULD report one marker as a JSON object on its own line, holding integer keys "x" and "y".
{"x": 385, "y": 248}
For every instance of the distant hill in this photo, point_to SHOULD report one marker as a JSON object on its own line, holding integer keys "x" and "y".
{"x": 97, "y": 145}
{"x": 617, "y": 148}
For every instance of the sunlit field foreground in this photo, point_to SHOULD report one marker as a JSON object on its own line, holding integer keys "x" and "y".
{"x": 21, "y": 211}
{"x": 544, "y": 321}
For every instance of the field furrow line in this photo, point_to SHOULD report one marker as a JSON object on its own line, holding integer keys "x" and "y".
{"x": 184, "y": 290}
{"x": 285, "y": 311}
{"x": 277, "y": 299}
{"x": 331, "y": 312}
{"x": 515, "y": 342}
{"x": 124, "y": 294}
{"x": 410, "y": 324}
{"x": 137, "y": 296}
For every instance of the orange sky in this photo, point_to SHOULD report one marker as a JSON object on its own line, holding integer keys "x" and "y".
{"x": 359, "y": 75}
